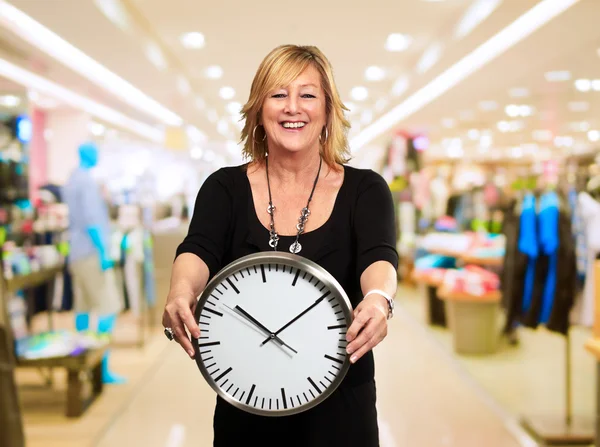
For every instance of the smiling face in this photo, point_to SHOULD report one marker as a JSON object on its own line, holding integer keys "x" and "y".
{"x": 294, "y": 116}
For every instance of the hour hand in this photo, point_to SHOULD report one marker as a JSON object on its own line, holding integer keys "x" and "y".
{"x": 258, "y": 324}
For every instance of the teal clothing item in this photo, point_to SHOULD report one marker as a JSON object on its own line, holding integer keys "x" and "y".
{"x": 88, "y": 214}
{"x": 528, "y": 245}
{"x": 549, "y": 241}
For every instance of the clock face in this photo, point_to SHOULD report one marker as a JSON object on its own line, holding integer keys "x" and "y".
{"x": 273, "y": 333}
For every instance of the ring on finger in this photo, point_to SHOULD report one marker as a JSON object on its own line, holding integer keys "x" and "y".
{"x": 169, "y": 333}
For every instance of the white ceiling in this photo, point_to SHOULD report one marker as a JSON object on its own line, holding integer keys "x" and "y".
{"x": 239, "y": 34}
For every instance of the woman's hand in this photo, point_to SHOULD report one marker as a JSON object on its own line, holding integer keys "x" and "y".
{"x": 179, "y": 316}
{"x": 369, "y": 327}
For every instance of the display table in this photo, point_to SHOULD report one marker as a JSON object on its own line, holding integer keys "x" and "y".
{"x": 472, "y": 320}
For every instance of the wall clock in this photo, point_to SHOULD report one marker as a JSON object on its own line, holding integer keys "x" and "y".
{"x": 273, "y": 333}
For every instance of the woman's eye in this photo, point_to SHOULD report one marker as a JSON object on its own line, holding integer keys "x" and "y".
{"x": 308, "y": 95}
{"x": 279, "y": 95}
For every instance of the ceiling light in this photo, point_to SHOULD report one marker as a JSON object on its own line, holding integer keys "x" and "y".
{"x": 512, "y": 110}
{"x": 196, "y": 153}
{"x": 516, "y": 152}
{"x": 9, "y": 101}
{"x": 562, "y": 141}
{"x": 183, "y": 85}
{"x": 381, "y": 104}
{"x": 223, "y": 127}
{"x": 579, "y": 106}
{"x": 558, "y": 76}
{"x": 212, "y": 116}
{"x": 542, "y": 135}
{"x": 366, "y": 116}
{"x": 234, "y": 108}
{"x": 213, "y": 72}
{"x": 466, "y": 115}
{"x": 397, "y": 42}
{"x": 193, "y": 40}
{"x": 583, "y": 85}
{"x": 473, "y": 134}
{"x": 96, "y": 129}
{"x": 374, "y": 73}
{"x": 536, "y": 17}
{"x": 486, "y": 141}
{"x": 518, "y": 92}
{"x": 195, "y": 135}
{"x": 75, "y": 100}
{"x": 41, "y": 37}
{"x": 582, "y": 126}
{"x": 359, "y": 93}
{"x": 430, "y": 57}
{"x": 200, "y": 103}
{"x": 596, "y": 85}
{"x": 594, "y": 135}
{"x": 448, "y": 123}
{"x": 477, "y": 13}
{"x": 226, "y": 92}
{"x": 488, "y": 106}
{"x": 400, "y": 86}
{"x": 115, "y": 12}
{"x": 156, "y": 56}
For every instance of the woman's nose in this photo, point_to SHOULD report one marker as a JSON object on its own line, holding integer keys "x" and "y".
{"x": 291, "y": 105}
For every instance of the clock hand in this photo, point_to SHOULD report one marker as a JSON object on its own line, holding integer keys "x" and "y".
{"x": 296, "y": 318}
{"x": 260, "y": 326}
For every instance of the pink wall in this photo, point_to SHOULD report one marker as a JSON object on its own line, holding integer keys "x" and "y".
{"x": 37, "y": 154}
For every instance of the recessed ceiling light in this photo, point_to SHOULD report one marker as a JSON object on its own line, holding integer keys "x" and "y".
{"x": 359, "y": 93}
{"x": 397, "y": 42}
{"x": 226, "y": 92}
{"x": 183, "y": 85}
{"x": 223, "y": 127}
{"x": 366, "y": 117}
{"x": 473, "y": 134}
{"x": 516, "y": 152}
{"x": 518, "y": 92}
{"x": 430, "y": 57}
{"x": 156, "y": 56}
{"x": 542, "y": 135}
{"x": 213, "y": 72}
{"x": 563, "y": 141}
{"x": 212, "y": 116}
{"x": 234, "y": 108}
{"x": 558, "y": 76}
{"x": 475, "y": 15}
{"x": 448, "y": 123}
{"x": 488, "y": 106}
{"x": 583, "y": 85}
{"x": 200, "y": 103}
{"x": 196, "y": 153}
{"x": 582, "y": 126}
{"x": 594, "y": 135}
{"x": 9, "y": 101}
{"x": 374, "y": 73}
{"x": 193, "y": 40}
{"x": 596, "y": 85}
{"x": 579, "y": 106}
{"x": 400, "y": 86}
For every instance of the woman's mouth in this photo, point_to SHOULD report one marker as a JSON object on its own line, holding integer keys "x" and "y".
{"x": 293, "y": 125}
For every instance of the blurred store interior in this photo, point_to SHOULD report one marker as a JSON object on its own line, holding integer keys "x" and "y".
{"x": 476, "y": 113}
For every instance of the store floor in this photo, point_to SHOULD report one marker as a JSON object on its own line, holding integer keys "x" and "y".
{"x": 425, "y": 398}
{"x": 526, "y": 380}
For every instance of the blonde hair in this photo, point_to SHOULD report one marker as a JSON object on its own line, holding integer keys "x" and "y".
{"x": 278, "y": 69}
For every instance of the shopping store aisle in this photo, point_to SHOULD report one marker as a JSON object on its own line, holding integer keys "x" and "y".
{"x": 423, "y": 400}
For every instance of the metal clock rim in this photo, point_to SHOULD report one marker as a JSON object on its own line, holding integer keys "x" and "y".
{"x": 283, "y": 258}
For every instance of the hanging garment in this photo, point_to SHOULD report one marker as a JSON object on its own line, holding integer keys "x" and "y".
{"x": 512, "y": 275}
{"x": 579, "y": 234}
{"x": 548, "y": 224}
{"x": 566, "y": 278}
{"x": 590, "y": 213}
{"x": 527, "y": 245}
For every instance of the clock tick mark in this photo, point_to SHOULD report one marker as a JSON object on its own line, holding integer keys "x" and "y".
{"x": 333, "y": 359}
{"x": 211, "y": 365}
{"x": 314, "y": 385}
{"x": 241, "y": 273}
{"x": 337, "y": 326}
{"x": 292, "y": 402}
{"x": 262, "y": 270}
{"x": 250, "y": 394}
{"x": 242, "y": 396}
{"x": 233, "y": 286}
{"x": 255, "y": 401}
{"x": 328, "y": 379}
{"x": 215, "y": 297}
{"x": 212, "y": 311}
{"x": 296, "y": 278}
{"x": 235, "y": 277}
{"x": 283, "y": 398}
{"x": 236, "y": 390}
{"x": 305, "y": 397}
{"x": 230, "y": 386}
{"x": 212, "y": 343}
{"x": 335, "y": 367}
{"x": 299, "y": 401}
{"x": 223, "y": 374}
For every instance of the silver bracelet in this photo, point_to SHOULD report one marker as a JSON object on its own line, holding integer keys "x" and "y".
{"x": 388, "y": 298}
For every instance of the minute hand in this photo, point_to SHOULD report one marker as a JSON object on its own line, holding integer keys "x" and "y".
{"x": 297, "y": 317}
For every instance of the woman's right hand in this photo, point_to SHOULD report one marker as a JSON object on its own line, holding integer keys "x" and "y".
{"x": 179, "y": 316}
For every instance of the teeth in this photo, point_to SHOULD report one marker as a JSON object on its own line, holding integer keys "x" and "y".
{"x": 293, "y": 125}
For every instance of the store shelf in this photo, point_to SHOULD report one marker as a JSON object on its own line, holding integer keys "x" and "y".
{"x": 425, "y": 279}
{"x": 469, "y": 258}
{"x": 491, "y": 297}
{"x": 32, "y": 279}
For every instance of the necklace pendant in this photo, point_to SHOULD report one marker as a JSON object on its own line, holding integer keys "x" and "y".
{"x": 295, "y": 248}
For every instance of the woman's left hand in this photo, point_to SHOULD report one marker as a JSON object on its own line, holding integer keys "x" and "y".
{"x": 369, "y": 327}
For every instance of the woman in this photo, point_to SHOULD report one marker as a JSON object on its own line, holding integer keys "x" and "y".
{"x": 294, "y": 114}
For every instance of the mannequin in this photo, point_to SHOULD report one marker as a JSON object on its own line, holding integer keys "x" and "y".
{"x": 90, "y": 263}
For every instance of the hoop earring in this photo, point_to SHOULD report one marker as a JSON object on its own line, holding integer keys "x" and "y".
{"x": 326, "y": 136}
{"x": 254, "y": 135}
